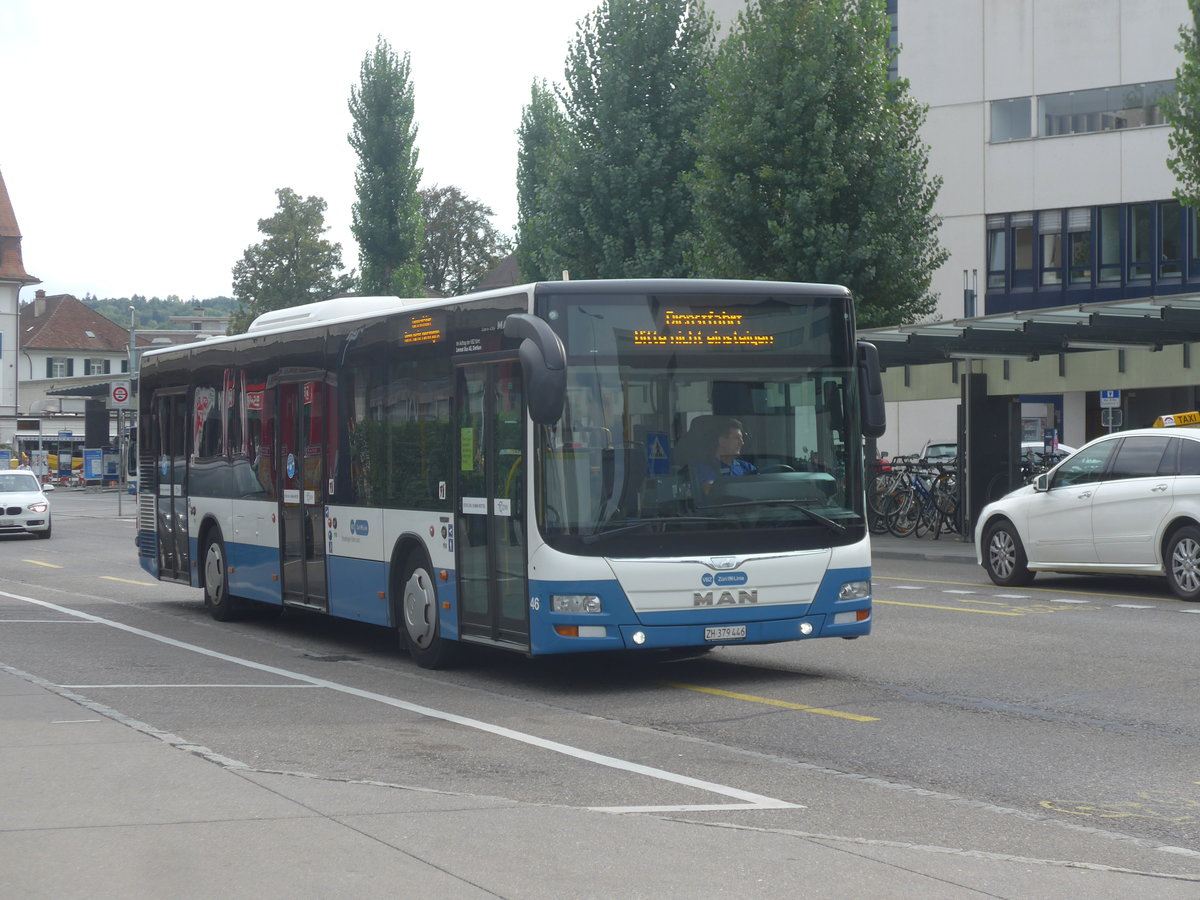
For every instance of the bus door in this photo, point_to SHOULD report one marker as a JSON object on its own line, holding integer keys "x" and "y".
{"x": 489, "y": 523}
{"x": 303, "y": 442}
{"x": 172, "y": 414}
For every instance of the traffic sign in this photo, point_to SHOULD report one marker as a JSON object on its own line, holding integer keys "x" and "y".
{"x": 1110, "y": 399}
{"x": 1111, "y": 418}
{"x": 118, "y": 395}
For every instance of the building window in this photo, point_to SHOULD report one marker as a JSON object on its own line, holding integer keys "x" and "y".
{"x": 1141, "y": 241}
{"x": 1021, "y": 228}
{"x": 1079, "y": 245}
{"x": 1170, "y": 240}
{"x": 1081, "y": 112}
{"x": 1102, "y": 109}
{"x": 1010, "y": 119}
{"x": 60, "y": 367}
{"x": 997, "y": 259}
{"x": 95, "y": 367}
{"x": 1050, "y": 223}
{"x": 1110, "y": 244}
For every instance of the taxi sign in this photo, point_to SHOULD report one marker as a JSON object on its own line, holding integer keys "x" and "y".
{"x": 1177, "y": 420}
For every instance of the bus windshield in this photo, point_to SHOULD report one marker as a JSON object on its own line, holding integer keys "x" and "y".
{"x": 707, "y": 423}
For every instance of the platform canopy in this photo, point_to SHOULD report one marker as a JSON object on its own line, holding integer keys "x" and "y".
{"x": 1144, "y": 324}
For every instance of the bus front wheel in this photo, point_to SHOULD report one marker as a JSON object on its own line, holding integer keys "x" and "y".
{"x": 420, "y": 628}
{"x": 216, "y": 580}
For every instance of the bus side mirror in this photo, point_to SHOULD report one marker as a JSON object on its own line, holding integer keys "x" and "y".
{"x": 543, "y": 366}
{"x": 870, "y": 392}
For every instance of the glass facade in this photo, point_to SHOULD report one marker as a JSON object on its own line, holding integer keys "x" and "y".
{"x": 1037, "y": 258}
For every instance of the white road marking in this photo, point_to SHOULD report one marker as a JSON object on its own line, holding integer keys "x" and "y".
{"x": 750, "y": 799}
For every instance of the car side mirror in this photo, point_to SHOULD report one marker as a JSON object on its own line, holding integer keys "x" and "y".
{"x": 47, "y": 488}
{"x": 1042, "y": 483}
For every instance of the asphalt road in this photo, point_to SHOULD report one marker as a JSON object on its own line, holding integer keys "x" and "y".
{"x": 1055, "y": 724}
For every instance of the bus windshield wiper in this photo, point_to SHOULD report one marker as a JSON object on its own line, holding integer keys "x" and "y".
{"x": 642, "y": 523}
{"x": 832, "y": 524}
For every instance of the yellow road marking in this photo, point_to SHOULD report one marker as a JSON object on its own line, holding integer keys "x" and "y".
{"x": 1028, "y": 588}
{"x": 982, "y": 612}
{"x": 38, "y": 562}
{"x": 767, "y": 701}
{"x": 128, "y": 581}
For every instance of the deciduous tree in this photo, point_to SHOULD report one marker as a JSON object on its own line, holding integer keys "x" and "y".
{"x": 614, "y": 203}
{"x": 294, "y": 264}
{"x": 810, "y": 164}
{"x": 539, "y": 144}
{"x": 461, "y": 244}
{"x": 1182, "y": 112}
{"x": 386, "y": 218}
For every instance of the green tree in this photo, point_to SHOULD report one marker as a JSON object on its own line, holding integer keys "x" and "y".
{"x": 811, "y": 167}
{"x": 386, "y": 218}
{"x": 461, "y": 244}
{"x": 616, "y": 195}
{"x": 293, "y": 265}
{"x": 539, "y": 140}
{"x": 1182, "y": 112}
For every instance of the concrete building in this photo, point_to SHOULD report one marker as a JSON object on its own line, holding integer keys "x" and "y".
{"x": 1044, "y": 126}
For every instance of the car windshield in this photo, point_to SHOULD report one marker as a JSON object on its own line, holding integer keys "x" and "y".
{"x": 17, "y": 483}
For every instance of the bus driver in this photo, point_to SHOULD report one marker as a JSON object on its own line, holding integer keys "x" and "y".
{"x": 729, "y": 440}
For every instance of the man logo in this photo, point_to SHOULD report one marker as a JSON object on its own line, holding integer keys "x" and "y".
{"x": 726, "y": 598}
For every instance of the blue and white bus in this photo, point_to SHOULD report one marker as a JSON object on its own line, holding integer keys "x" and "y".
{"x": 517, "y": 468}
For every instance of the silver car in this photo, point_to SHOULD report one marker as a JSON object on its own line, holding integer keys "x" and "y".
{"x": 24, "y": 507}
{"x": 1126, "y": 504}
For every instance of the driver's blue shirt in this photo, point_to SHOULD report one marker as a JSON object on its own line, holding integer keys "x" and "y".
{"x": 705, "y": 472}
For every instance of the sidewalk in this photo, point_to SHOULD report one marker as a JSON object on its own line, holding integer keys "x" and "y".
{"x": 947, "y": 548}
{"x": 95, "y": 806}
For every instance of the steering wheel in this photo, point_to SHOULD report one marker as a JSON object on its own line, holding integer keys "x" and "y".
{"x": 778, "y": 467}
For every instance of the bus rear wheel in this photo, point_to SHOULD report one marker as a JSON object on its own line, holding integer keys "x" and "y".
{"x": 420, "y": 626}
{"x": 220, "y": 604}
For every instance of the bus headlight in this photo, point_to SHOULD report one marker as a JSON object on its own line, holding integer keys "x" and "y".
{"x": 854, "y": 590}
{"x": 576, "y": 603}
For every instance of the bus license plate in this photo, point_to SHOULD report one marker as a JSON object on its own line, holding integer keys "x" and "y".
{"x": 725, "y": 633}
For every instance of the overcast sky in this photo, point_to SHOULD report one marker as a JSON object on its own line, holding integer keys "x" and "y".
{"x": 143, "y": 141}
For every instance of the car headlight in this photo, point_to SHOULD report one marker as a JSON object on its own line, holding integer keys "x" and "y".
{"x": 39, "y": 507}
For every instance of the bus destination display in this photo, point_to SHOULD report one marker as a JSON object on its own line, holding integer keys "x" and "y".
{"x": 712, "y": 328}
{"x": 422, "y": 329}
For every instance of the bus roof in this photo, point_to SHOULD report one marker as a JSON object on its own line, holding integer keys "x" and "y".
{"x": 340, "y": 309}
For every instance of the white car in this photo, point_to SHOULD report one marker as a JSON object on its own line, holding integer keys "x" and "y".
{"x": 1127, "y": 503}
{"x": 24, "y": 508}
